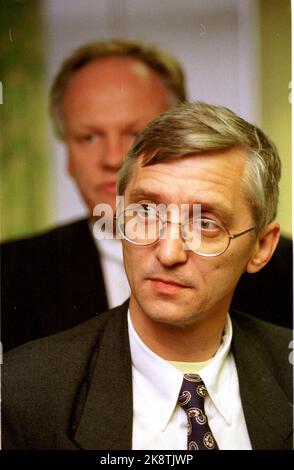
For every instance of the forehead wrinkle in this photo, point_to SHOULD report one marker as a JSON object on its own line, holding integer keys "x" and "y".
{"x": 209, "y": 185}
{"x": 142, "y": 191}
{"x": 215, "y": 186}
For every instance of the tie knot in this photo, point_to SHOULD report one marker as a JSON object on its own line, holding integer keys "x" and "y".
{"x": 193, "y": 391}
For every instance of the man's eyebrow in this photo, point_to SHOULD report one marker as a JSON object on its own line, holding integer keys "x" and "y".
{"x": 141, "y": 193}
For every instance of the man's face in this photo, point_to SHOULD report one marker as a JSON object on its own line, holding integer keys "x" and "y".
{"x": 169, "y": 284}
{"x": 105, "y": 105}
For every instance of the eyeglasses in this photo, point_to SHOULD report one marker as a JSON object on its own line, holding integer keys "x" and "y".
{"x": 143, "y": 225}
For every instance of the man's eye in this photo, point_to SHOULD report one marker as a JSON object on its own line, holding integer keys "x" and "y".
{"x": 146, "y": 210}
{"x": 207, "y": 224}
{"x": 88, "y": 138}
{"x": 211, "y": 229}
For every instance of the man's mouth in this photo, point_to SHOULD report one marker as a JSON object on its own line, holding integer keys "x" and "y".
{"x": 107, "y": 187}
{"x": 166, "y": 285}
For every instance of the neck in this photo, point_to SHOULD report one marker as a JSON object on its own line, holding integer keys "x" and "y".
{"x": 197, "y": 342}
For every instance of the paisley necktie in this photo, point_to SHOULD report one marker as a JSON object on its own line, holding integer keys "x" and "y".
{"x": 191, "y": 399}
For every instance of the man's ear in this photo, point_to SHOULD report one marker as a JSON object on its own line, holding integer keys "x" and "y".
{"x": 264, "y": 248}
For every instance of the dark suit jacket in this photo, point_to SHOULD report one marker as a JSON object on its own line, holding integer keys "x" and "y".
{"x": 54, "y": 281}
{"x": 74, "y": 390}
{"x": 49, "y": 283}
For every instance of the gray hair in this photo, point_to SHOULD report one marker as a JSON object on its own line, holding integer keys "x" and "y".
{"x": 193, "y": 128}
{"x": 157, "y": 59}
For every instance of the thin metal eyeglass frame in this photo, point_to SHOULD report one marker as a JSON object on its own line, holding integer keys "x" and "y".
{"x": 183, "y": 225}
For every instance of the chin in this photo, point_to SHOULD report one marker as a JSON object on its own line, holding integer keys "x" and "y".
{"x": 172, "y": 315}
{"x": 99, "y": 197}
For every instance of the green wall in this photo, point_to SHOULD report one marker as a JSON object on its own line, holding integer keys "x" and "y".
{"x": 23, "y": 140}
{"x": 275, "y": 19}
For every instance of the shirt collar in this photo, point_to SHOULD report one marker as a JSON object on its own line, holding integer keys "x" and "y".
{"x": 164, "y": 381}
{"x": 217, "y": 375}
{"x": 157, "y": 376}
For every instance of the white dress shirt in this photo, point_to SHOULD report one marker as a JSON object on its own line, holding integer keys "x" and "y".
{"x": 159, "y": 423}
{"x": 115, "y": 279}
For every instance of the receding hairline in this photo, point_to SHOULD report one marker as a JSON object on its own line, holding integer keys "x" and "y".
{"x": 136, "y": 66}
{"x": 153, "y": 56}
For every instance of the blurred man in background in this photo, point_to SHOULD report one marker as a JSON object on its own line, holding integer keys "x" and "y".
{"x": 104, "y": 94}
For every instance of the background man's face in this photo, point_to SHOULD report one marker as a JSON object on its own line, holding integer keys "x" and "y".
{"x": 169, "y": 284}
{"x": 105, "y": 105}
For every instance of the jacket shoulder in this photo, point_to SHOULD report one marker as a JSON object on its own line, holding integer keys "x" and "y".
{"x": 56, "y": 234}
{"x": 259, "y": 327}
{"x": 264, "y": 344}
{"x": 41, "y": 381}
{"x": 61, "y": 351}
{"x": 265, "y": 335}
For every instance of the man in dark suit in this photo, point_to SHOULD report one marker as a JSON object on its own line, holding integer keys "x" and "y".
{"x": 48, "y": 282}
{"x": 171, "y": 368}
{"x": 104, "y": 94}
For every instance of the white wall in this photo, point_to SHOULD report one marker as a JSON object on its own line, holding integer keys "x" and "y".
{"x": 216, "y": 40}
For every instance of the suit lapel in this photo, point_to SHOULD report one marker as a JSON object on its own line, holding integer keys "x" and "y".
{"x": 266, "y": 408}
{"x": 107, "y": 416}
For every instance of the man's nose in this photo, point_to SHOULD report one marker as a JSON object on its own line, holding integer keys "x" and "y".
{"x": 113, "y": 154}
{"x": 170, "y": 250}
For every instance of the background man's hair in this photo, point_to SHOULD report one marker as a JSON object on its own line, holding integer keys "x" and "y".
{"x": 193, "y": 128}
{"x": 163, "y": 63}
